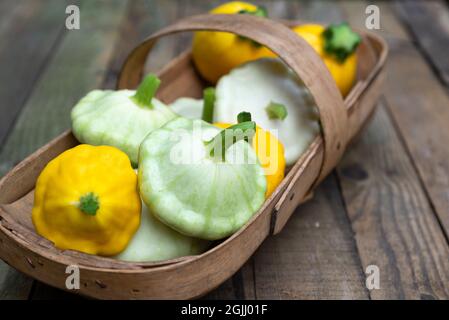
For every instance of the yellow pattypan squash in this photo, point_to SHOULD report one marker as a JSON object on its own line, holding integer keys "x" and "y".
{"x": 216, "y": 53}
{"x": 336, "y": 45}
{"x": 87, "y": 199}
{"x": 270, "y": 153}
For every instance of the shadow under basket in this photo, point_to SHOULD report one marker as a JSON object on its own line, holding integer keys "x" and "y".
{"x": 194, "y": 276}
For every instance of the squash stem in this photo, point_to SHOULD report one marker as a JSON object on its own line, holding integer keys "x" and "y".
{"x": 244, "y": 130}
{"x": 340, "y": 41}
{"x": 276, "y": 111}
{"x": 260, "y": 11}
{"x": 208, "y": 104}
{"x": 89, "y": 204}
{"x": 146, "y": 91}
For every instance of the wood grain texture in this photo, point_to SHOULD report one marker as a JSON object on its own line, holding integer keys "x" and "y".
{"x": 393, "y": 222}
{"x": 78, "y": 65}
{"x": 395, "y": 225}
{"x": 391, "y": 29}
{"x": 428, "y": 23}
{"x": 8, "y": 13}
{"x": 314, "y": 257}
{"x": 142, "y": 18}
{"x": 14, "y": 285}
{"x": 322, "y": 11}
{"x": 29, "y": 32}
{"x": 83, "y": 55}
{"x": 419, "y": 106}
{"x": 41, "y": 291}
{"x": 239, "y": 287}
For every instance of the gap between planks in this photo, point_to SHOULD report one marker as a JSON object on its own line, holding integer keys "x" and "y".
{"x": 428, "y": 25}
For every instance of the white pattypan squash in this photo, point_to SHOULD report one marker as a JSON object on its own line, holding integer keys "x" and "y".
{"x": 276, "y": 99}
{"x": 189, "y": 108}
{"x": 121, "y": 118}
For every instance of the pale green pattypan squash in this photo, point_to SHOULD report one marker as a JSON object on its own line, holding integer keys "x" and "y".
{"x": 121, "y": 118}
{"x": 154, "y": 241}
{"x": 201, "y": 181}
{"x": 276, "y": 99}
{"x": 189, "y": 108}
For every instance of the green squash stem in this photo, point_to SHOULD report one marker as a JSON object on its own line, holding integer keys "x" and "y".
{"x": 244, "y": 130}
{"x": 146, "y": 91}
{"x": 208, "y": 104}
{"x": 276, "y": 111}
{"x": 260, "y": 11}
{"x": 340, "y": 41}
{"x": 89, "y": 204}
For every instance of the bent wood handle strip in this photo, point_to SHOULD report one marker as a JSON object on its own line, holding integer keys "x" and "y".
{"x": 293, "y": 50}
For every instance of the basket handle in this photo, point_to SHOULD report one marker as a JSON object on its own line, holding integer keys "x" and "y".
{"x": 293, "y": 50}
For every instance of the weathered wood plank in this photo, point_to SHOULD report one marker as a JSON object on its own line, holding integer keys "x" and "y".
{"x": 322, "y": 11}
{"x": 77, "y": 66}
{"x": 13, "y": 284}
{"x": 428, "y": 23}
{"x": 419, "y": 105}
{"x": 143, "y": 18}
{"x": 239, "y": 287}
{"x": 28, "y": 35}
{"x": 390, "y": 28}
{"x": 10, "y": 11}
{"x": 315, "y": 256}
{"x": 394, "y": 225}
{"x": 42, "y": 291}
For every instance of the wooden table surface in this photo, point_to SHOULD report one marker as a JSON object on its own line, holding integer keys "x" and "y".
{"x": 385, "y": 205}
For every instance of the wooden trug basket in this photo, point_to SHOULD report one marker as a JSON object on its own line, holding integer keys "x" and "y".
{"x": 194, "y": 276}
